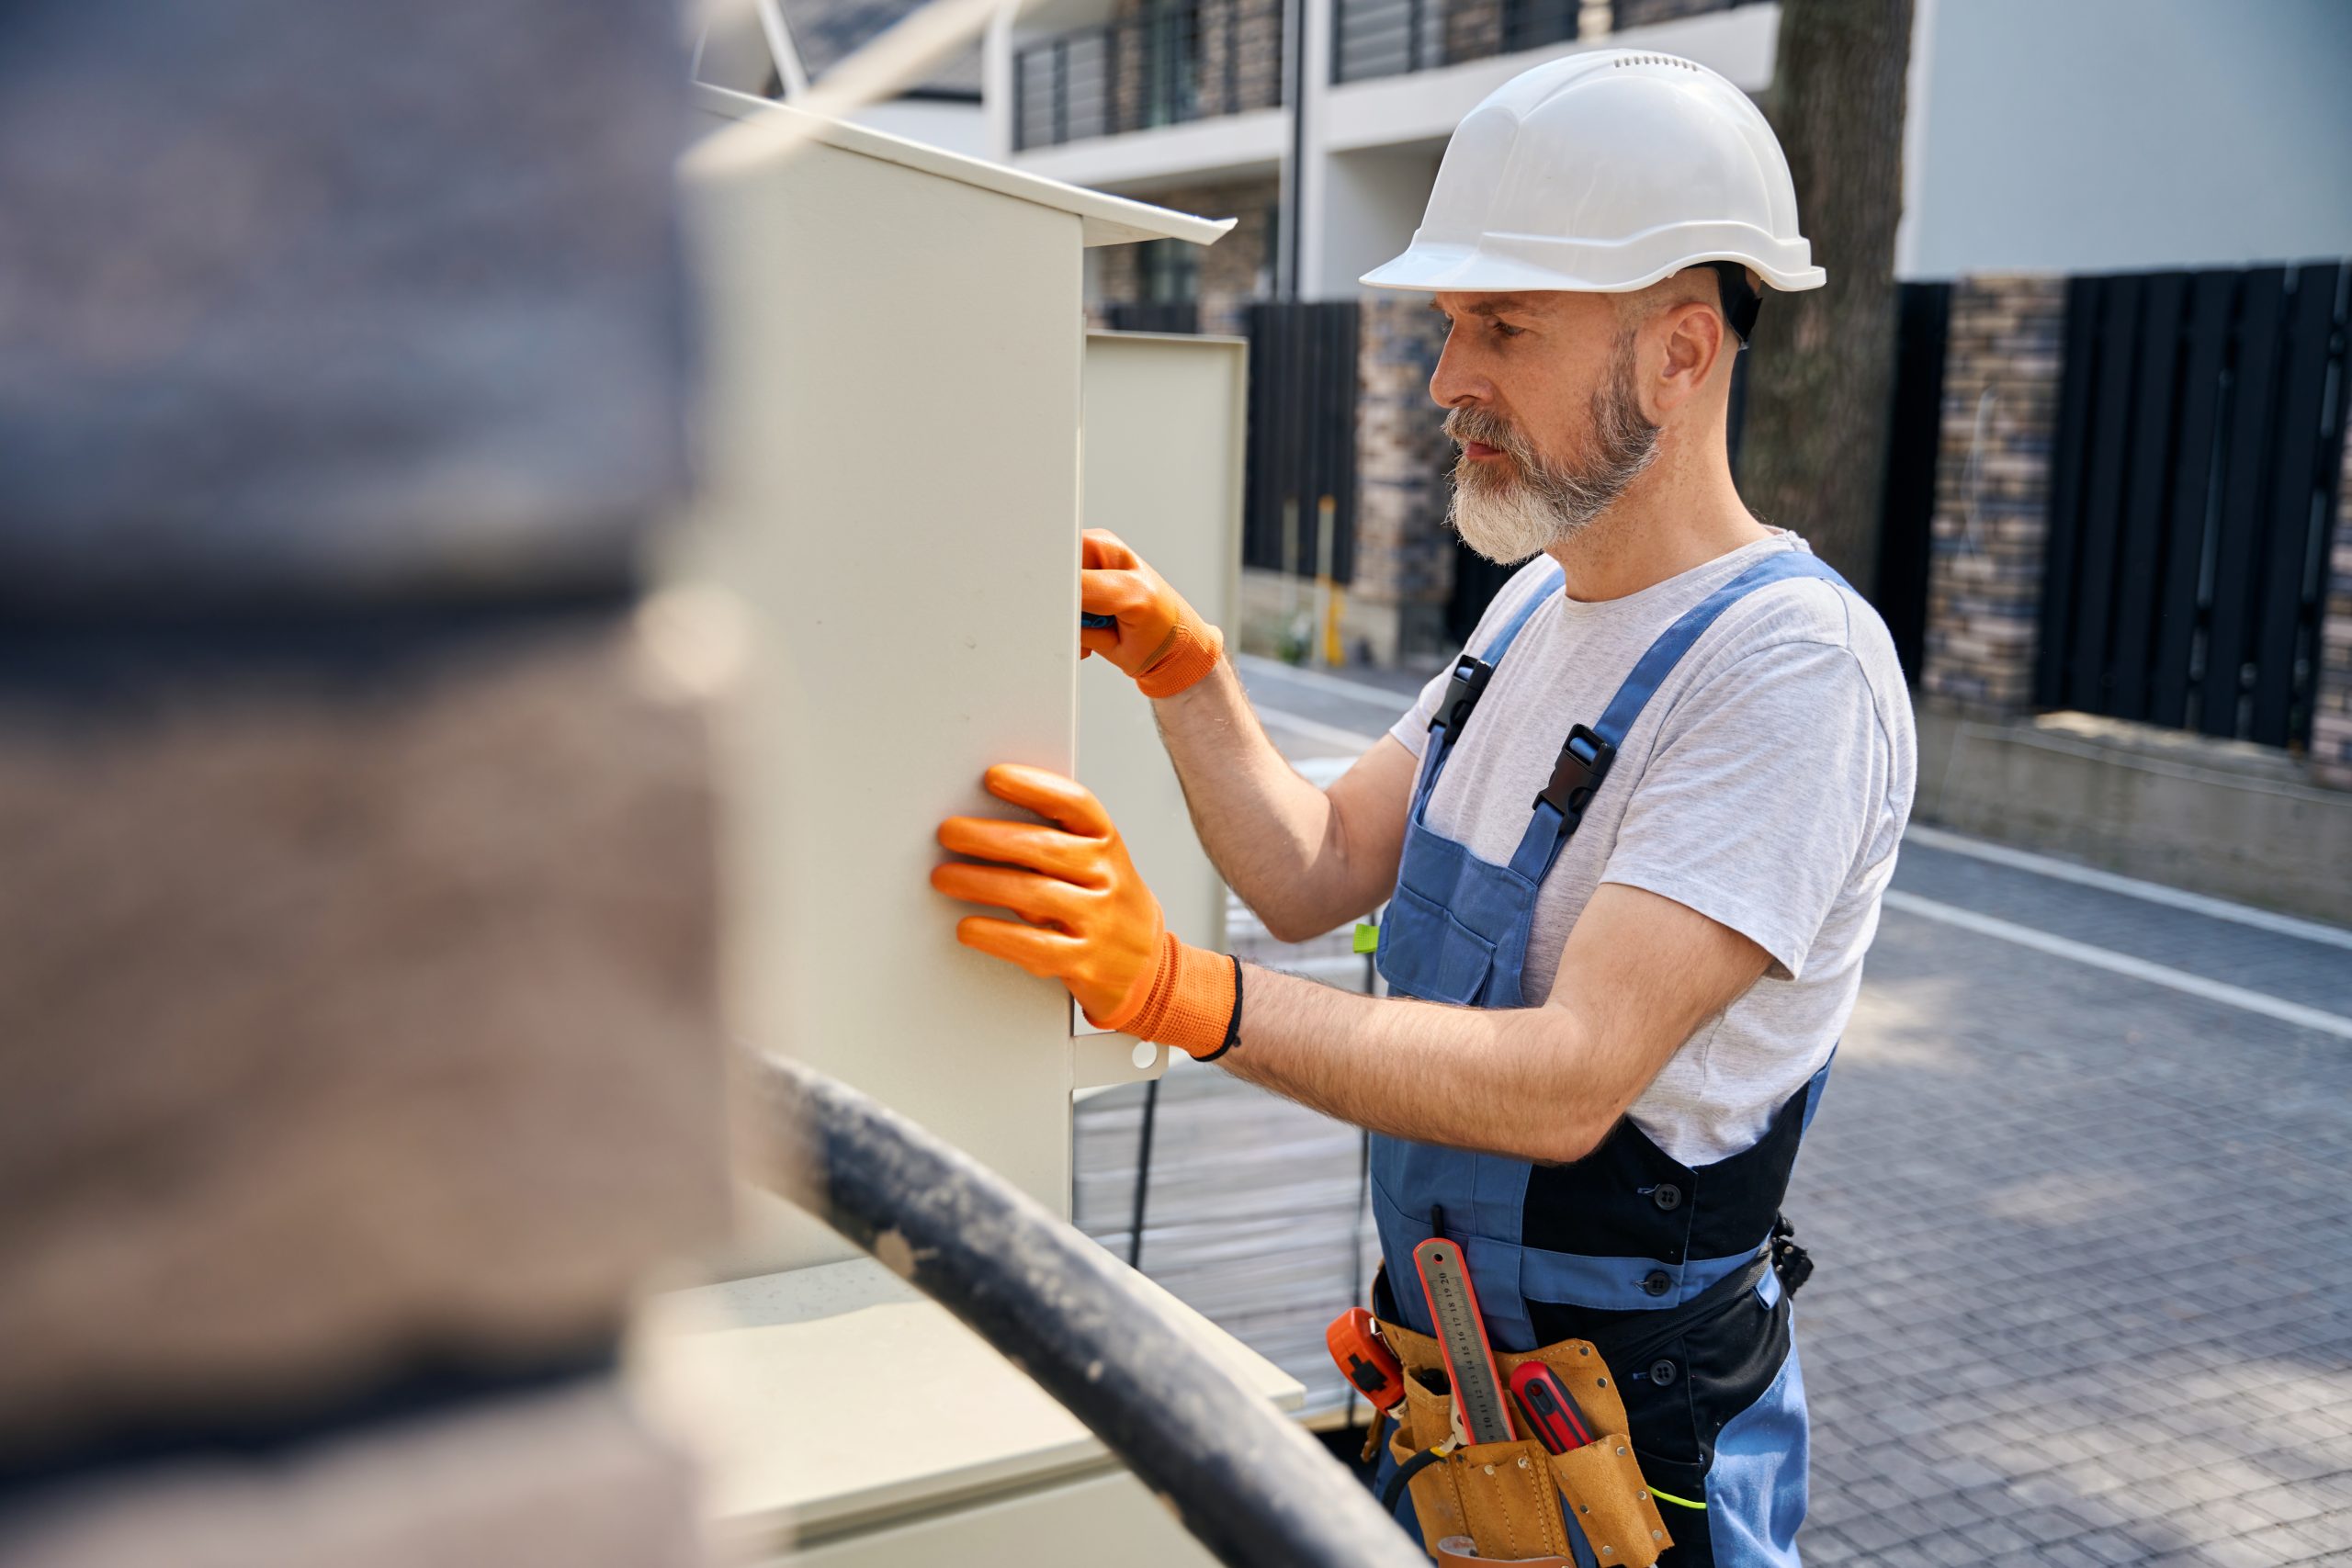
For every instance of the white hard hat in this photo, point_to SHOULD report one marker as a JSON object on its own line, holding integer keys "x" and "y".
{"x": 1604, "y": 172}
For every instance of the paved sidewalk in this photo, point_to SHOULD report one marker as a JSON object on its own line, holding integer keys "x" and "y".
{"x": 2085, "y": 1239}
{"x": 2085, "y": 1248}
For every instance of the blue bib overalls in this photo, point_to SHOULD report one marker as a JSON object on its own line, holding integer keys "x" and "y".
{"x": 1668, "y": 1269}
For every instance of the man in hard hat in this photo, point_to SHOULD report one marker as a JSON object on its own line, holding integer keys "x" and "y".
{"x": 1631, "y": 846}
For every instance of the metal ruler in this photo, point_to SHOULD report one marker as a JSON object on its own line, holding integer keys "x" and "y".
{"x": 1461, "y": 1335}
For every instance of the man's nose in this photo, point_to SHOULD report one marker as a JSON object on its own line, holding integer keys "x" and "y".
{"x": 1453, "y": 383}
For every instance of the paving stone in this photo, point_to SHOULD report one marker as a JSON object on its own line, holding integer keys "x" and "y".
{"x": 2068, "y": 1554}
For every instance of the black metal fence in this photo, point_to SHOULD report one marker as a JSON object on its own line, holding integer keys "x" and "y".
{"x": 2199, "y": 433}
{"x": 1302, "y": 438}
{"x": 1914, "y": 437}
{"x": 1154, "y": 316}
{"x": 1390, "y": 37}
{"x": 1169, "y": 64}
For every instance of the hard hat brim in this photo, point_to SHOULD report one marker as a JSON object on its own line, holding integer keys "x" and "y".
{"x": 1436, "y": 267}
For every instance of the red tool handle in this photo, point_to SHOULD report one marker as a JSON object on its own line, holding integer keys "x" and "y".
{"x": 1550, "y": 1408}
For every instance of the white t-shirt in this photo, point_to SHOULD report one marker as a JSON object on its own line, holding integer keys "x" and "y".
{"x": 1765, "y": 786}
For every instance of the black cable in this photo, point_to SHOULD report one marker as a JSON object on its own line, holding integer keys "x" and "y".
{"x": 1250, "y": 1484}
{"x": 1405, "y": 1473}
{"x": 1143, "y": 1173}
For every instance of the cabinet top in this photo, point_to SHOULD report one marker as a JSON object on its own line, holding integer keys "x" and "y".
{"x": 837, "y": 1396}
{"x": 771, "y": 128}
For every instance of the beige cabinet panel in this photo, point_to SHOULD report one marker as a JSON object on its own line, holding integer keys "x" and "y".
{"x": 1110, "y": 1519}
{"x": 890, "y": 485}
{"x": 1162, "y": 443}
{"x": 837, "y": 1402}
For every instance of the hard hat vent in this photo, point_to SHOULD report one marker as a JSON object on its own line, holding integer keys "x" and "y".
{"x": 1625, "y": 60}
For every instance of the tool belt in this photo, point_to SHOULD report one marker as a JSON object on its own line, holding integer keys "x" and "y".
{"x": 1509, "y": 1501}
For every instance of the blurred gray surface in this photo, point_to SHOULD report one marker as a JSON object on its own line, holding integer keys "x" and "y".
{"x": 334, "y": 302}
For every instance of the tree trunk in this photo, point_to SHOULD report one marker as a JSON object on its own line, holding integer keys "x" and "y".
{"x": 1813, "y": 456}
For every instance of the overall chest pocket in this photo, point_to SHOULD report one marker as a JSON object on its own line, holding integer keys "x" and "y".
{"x": 1424, "y": 952}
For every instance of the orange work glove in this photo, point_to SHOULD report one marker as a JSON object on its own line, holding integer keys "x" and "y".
{"x": 1159, "y": 640}
{"x": 1091, "y": 922}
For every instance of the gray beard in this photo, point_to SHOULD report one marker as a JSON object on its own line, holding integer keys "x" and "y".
{"x": 1508, "y": 515}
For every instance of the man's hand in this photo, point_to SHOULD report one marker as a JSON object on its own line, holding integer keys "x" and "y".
{"x": 1160, "y": 640}
{"x": 1087, "y": 920}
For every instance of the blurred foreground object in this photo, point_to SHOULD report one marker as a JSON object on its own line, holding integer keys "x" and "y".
{"x": 359, "y": 1045}
{"x": 307, "y": 304}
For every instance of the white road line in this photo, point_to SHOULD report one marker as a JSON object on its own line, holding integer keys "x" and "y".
{"x": 2130, "y": 887}
{"x": 2124, "y": 964}
{"x": 1360, "y": 690}
{"x": 1329, "y": 734}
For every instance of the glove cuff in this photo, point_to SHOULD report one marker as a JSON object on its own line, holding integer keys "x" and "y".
{"x": 1193, "y": 648}
{"x": 1195, "y": 1003}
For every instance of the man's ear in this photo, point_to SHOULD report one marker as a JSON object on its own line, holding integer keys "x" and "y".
{"x": 1695, "y": 340}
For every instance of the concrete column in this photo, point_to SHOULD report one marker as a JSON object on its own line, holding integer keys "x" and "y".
{"x": 1370, "y": 202}
{"x": 2000, "y": 409}
{"x": 1313, "y": 171}
{"x": 996, "y": 87}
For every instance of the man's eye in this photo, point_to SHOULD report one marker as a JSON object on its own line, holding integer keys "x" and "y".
{"x": 1504, "y": 329}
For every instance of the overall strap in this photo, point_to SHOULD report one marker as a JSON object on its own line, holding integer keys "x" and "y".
{"x": 1585, "y": 757}
{"x": 1470, "y": 677}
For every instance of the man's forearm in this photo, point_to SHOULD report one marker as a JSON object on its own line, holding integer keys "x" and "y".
{"x": 1514, "y": 1081}
{"x": 1269, "y": 832}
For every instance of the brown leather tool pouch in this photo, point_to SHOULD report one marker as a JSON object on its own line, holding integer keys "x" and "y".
{"x": 1605, "y": 1493}
{"x": 1508, "y": 1499}
{"x": 1461, "y": 1549}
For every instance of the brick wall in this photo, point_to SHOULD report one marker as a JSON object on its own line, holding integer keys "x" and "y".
{"x": 2332, "y": 704}
{"x": 1230, "y": 270}
{"x": 1404, "y": 566}
{"x": 2000, "y": 408}
{"x": 1249, "y": 35}
{"x": 1474, "y": 31}
{"x": 1237, "y": 62}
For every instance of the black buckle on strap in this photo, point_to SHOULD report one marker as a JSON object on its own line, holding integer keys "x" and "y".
{"x": 1793, "y": 1262}
{"x": 1584, "y": 763}
{"x": 1462, "y": 693}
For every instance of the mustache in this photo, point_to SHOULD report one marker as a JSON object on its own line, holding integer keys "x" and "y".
{"x": 1464, "y": 425}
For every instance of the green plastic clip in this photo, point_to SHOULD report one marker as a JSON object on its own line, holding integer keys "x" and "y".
{"x": 1367, "y": 936}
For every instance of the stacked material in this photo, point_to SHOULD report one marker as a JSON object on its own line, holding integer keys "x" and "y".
{"x": 1255, "y": 1211}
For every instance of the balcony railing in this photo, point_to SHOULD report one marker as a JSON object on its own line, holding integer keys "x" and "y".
{"x": 1170, "y": 64}
{"x": 1390, "y": 37}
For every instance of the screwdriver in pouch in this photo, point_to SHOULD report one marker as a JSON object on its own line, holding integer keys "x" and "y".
{"x": 1558, "y": 1424}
